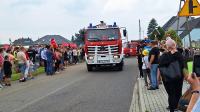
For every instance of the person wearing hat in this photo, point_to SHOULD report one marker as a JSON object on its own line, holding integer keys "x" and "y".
{"x": 145, "y": 68}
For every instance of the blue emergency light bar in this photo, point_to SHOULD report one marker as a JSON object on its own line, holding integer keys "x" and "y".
{"x": 109, "y": 26}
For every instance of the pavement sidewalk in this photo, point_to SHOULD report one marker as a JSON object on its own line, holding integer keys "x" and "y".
{"x": 150, "y": 101}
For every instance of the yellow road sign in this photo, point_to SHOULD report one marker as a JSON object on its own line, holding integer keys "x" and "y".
{"x": 190, "y": 8}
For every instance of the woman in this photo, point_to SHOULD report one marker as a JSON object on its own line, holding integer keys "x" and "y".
{"x": 58, "y": 56}
{"x": 173, "y": 86}
{"x": 66, "y": 57}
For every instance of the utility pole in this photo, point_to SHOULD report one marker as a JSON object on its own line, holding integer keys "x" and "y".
{"x": 191, "y": 11}
{"x": 178, "y": 22}
{"x": 139, "y": 30}
{"x": 188, "y": 30}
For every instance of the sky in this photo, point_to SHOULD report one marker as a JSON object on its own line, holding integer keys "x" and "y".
{"x": 37, "y": 18}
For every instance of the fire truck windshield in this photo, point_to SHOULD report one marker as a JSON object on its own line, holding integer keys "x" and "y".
{"x": 102, "y": 34}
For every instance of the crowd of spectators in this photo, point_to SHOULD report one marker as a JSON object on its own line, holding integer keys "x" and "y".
{"x": 154, "y": 56}
{"x": 27, "y": 60}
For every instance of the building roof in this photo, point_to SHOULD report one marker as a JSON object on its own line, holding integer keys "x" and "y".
{"x": 195, "y": 23}
{"x": 23, "y": 42}
{"x": 46, "y": 39}
{"x": 173, "y": 22}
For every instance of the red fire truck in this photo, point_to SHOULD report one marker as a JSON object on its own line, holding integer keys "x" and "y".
{"x": 103, "y": 46}
{"x": 130, "y": 48}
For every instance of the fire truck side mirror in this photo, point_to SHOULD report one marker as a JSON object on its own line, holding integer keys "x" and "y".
{"x": 124, "y": 32}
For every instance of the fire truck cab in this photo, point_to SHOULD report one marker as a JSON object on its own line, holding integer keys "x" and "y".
{"x": 103, "y": 46}
{"x": 130, "y": 48}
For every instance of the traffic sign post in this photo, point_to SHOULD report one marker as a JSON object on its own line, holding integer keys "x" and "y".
{"x": 190, "y": 8}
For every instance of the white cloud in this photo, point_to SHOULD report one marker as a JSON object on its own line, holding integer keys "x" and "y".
{"x": 36, "y": 18}
{"x": 119, "y": 6}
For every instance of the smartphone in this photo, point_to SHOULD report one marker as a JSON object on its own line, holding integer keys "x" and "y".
{"x": 196, "y": 65}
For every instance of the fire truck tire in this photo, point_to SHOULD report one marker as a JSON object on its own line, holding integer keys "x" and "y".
{"x": 89, "y": 68}
{"x": 120, "y": 66}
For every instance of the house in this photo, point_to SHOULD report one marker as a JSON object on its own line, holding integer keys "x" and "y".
{"x": 23, "y": 42}
{"x": 193, "y": 24}
{"x": 194, "y": 28}
{"x": 46, "y": 40}
{"x": 173, "y": 23}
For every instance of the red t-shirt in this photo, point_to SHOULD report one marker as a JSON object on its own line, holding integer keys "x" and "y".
{"x": 27, "y": 57}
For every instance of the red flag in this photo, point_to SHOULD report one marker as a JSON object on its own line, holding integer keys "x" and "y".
{"x": 65, "y": 44}
{"x": 53, "y": 43}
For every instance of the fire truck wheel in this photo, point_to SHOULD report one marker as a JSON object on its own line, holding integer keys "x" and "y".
{"x": 120, "y": 66}
{"x": 89, "y": 68}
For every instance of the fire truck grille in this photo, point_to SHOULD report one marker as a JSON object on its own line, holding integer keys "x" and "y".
{"x": 113, "y": 49}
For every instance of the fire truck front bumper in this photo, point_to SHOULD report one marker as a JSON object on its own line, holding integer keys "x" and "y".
{"x": 104, "y": 60}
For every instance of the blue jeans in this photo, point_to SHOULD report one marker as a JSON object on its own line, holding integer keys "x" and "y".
{"x": 1, "y": 75}
{"x": 22, "y": 68}
{"x": 49, "y": 70}
{"x": 154, "y": 71}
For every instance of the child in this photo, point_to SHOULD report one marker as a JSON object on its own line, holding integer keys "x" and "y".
{"x": 145, "y": 69}
{"x": 31, "y": 69}
{"x": 7, "y": 67}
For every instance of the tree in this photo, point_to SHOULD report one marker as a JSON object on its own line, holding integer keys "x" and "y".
{"x": 157, "y": 34}
{"x": 79, "y": 40}
{"x": 152, "y": 26}
{"x": 73, "y": 38}
{"x": 173, "y": 34}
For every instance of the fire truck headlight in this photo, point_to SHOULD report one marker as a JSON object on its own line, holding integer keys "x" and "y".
{"x": 116, "y": 57}
{"x": 90, "y": 57}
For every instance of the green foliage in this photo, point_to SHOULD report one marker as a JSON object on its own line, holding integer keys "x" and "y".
{"x": 162, "y": 33}
{"x": 173, "y": 34}
{"x": 73, "y": 38}
{"x": 16, "y": 76}
{"x": 79, "y": 40}
{"x": 157, "y": 34}
{"x": 152, "y": 25}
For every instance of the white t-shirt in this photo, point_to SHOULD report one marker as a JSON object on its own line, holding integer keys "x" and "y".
{"x": 145, "y": 62}
{"x": 21, "y": 56}
{"x": 196, "y": 108}
{"x": 75, "y": 53}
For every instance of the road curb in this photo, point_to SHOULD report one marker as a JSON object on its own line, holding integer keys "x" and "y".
{"x": 135, "y": 93}
{"x": 141, "y": 98}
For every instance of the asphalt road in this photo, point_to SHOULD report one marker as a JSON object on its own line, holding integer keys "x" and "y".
{"x": 74, "y": 90}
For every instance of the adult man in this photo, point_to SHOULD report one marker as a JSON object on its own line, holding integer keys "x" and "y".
{"x": 32, "y": 54}
{"x": 49, "y": 54}
{"x": 75, "y": 55}
{"x": 44, "y": 58}
{"x": 153, "y": 64}
{"x": 21, "y": 57}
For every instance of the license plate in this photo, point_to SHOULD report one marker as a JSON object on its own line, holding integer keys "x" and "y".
{"x": 103, "y": 61}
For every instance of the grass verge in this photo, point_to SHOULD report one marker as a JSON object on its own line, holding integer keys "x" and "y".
{"x": 16, "y": 76}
